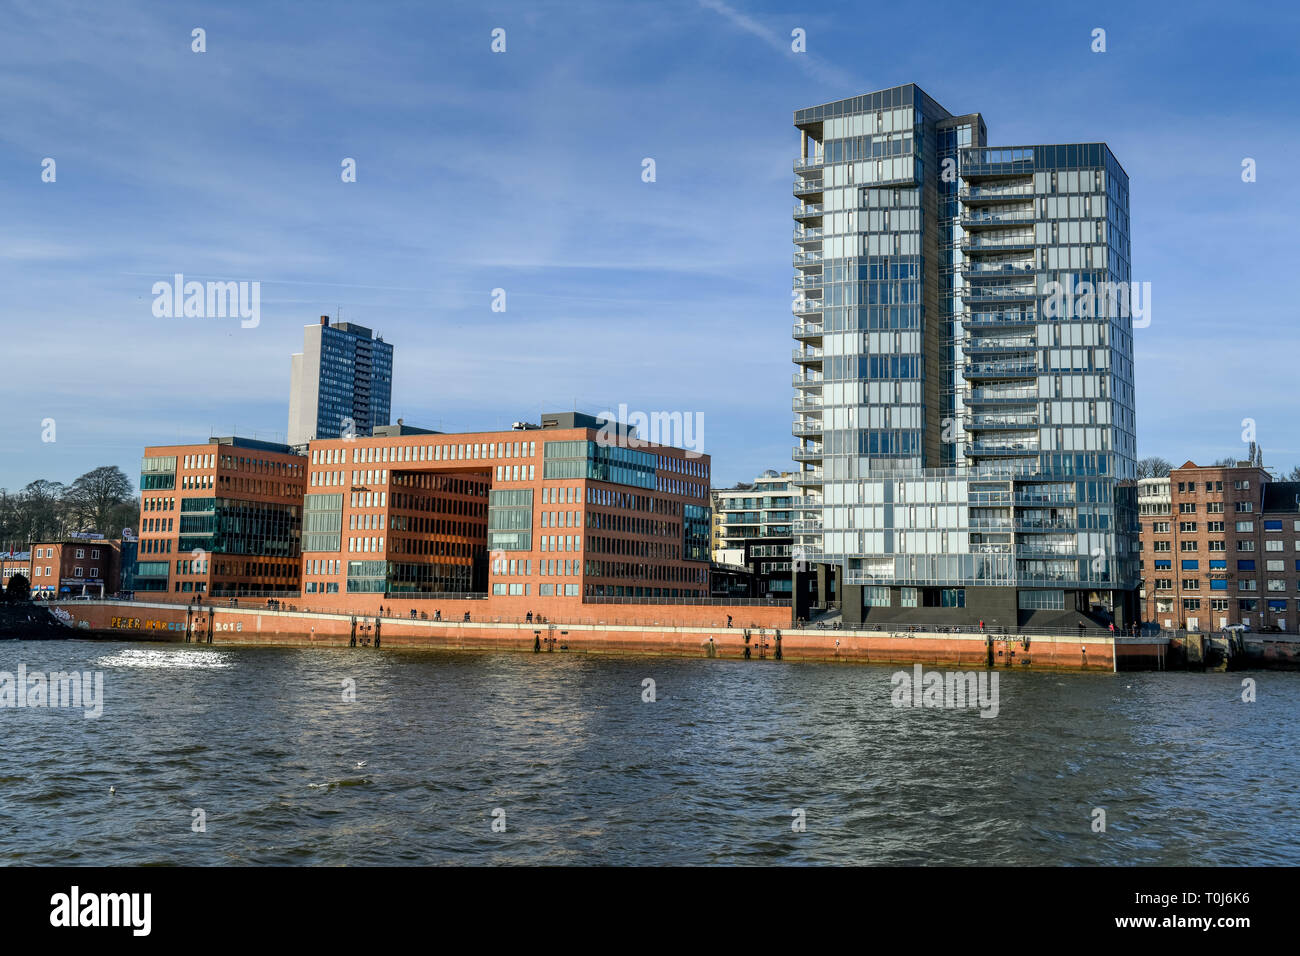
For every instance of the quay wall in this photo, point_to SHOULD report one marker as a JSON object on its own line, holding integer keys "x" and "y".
{"x": 667, "y": 630}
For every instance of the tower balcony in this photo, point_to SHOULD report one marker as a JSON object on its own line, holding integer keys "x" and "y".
{"x": 973, "y": 245}
{"x": 982, "y": 269}
{"x": 807, "y": 187}
{"x": 809, "y": 477}
{"x": 809, "y": 284}
{"x": 806, "y": 453}
{"x": 807, "y": 356}
{"x": 807, "y": 427}
{"x": 808, "y": 260}
{"x": 1008, "y": 450}
{"x": 807, "y": 403}
{"x": 806, "y": 332}
{"x": 995, "y": 422}
{"x": 999, "y": 370}
{"x": 981, "y": 164}
{"x": 808, "y": 309}
{"x": 807, "y": 380}
{"x": 994, "y": 295}
{"x": 1001, "y": 398}
{"x": 808, "y": 211}
{"x": 1008, "y": 319}
{"x": 973, "y": 220}
{"x": 808, "y": 237}
{"x": 979, "y": 345}
{"x": 975, "y": 195}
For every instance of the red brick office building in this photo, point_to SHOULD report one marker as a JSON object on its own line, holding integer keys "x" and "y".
{"x": 221, "y": 518}
{"x": 531, "y": 519}
{"x": 1220, "y": 547}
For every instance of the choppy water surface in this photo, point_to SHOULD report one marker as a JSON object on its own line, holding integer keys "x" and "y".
{"x": 288, "y": 772}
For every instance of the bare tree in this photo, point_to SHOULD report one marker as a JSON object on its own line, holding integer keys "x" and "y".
{"x": 1153, "y": 467}
{"x": 94, "y": 500}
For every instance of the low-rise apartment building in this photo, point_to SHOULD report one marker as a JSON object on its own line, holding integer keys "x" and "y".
{"x": 1220, "y": 547}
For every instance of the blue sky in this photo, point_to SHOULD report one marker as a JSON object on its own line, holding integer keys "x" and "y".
{"x": 522, "y": 171}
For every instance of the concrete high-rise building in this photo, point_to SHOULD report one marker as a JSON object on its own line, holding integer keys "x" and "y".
{"x": 965, "y": 427}
{"x": 341, "y": 383}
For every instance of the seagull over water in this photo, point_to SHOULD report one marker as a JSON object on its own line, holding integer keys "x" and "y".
{"x": 360, "y": 764}
{"x": 112, "y": 789}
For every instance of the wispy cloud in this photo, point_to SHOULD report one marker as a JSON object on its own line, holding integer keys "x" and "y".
{"x": 816, "y": 67}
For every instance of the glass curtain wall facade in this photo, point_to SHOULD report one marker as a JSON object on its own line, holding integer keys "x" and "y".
{"x": 956, "y": 429}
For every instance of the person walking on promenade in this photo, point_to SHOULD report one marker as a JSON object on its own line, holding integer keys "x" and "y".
{"x": 728, "y": 620}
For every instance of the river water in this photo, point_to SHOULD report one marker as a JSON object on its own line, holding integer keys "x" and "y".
{"x": 565, "y": 752}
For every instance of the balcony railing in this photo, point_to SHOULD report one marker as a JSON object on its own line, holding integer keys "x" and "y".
{"x": 996, "y": 192}
{"x": 802, "y": 306}
{"x": 807, "y": 355}
{"x": 807, "y": 402}
{"x": 806, "y": 259}
{"x": 804, "y": 331}
{"x": 808, "y": 282}
{"x": 808, "y": 235}
{"x": 999, "y": 320}
{"x": 980, "y": 294}
{"x": 997, "y": 219}
{"x": 979, "y": 270}
{"x": 806, "y": 452}
{"x": 807, "y": 428}
{"x": 976, "y": 243}
{"x": 1053, "y": 498}
{"x": 807, "y": 186}
{"x": 978, "y": 397}
{"x": 1007, "y": 343}
{"x": 809, "y": 162}
{"x": 808, "y": 525}
{"x": 805, "y": 210}
{"x": 1015, "y": 448}
{"x": 999, "y": 369}
{"x": 811, "y": 476}
{"x": 988, "y": 422}
{"x": 812, "y": 379}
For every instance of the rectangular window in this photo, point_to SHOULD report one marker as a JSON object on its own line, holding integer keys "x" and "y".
{"x": 873, "y": 596}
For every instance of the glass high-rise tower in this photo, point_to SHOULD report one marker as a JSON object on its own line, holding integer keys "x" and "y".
{"x": 965, "y": 429}
{"x": 341, "y": 383}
